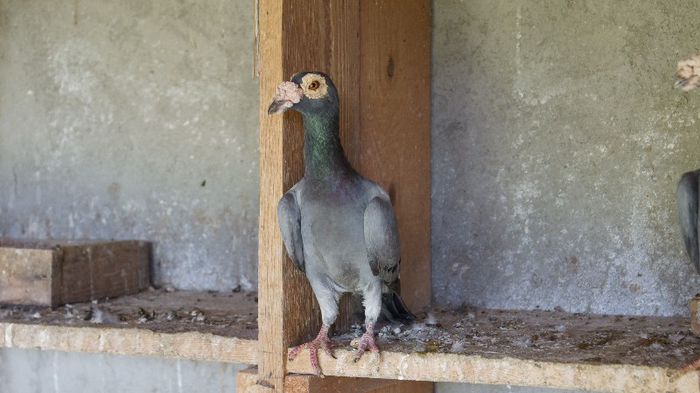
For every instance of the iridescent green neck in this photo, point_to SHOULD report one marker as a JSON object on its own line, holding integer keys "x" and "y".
{"x": 323, "y": 153}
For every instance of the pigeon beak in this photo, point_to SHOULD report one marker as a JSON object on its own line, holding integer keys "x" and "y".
{"x": 279, "y": 106}
{"x": 288, "y": 94}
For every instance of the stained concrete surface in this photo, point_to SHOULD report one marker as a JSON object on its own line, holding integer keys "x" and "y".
{"x": 29, "y": 371}
{"x": 557, "y": 145}
{"x": 134, "y": 120}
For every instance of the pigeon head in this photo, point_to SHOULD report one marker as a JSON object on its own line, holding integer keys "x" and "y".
{"x": 307, "y": 92}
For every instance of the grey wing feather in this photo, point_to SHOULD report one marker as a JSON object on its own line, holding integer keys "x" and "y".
{"x": 382, "y": 239}
{"x": 289, "y": 216}
{"x": 687, "y": 195}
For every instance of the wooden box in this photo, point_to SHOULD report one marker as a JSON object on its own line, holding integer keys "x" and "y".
{"x": 55, "y": 272}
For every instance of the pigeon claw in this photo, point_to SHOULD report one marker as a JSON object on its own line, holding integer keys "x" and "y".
{"x": 321, "y": 342}
{"x": 366, "y": 343}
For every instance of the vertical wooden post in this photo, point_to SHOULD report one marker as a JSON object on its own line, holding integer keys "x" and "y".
{"x": 349, "y": 40}
{"x": 695, "y": 315}
{"x": 285, "y": 303}
{"x": 394, "y": 142}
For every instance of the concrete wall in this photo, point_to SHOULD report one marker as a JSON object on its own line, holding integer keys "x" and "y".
{"x": 134, "y": 119}
{"x": 556, "y": 148}
{"x": 557, "y": 145}
{"x": 29, "y": 371}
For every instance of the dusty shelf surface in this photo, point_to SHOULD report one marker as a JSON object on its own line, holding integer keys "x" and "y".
{"x": 224, "y": 314}
{"x": 547, "y": 336}
{"x": 528, "y": 348}
{"x": 523, "y": 348}
{"x": 187, "y": 325}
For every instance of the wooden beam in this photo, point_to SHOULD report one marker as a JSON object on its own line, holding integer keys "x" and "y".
{"x": 292, "y": 38}
{"x": 499, "y": 368}
{"x": 695, "y": 314}
{"x": 394, "y": 141}
{"x": 328, "y": 36}
{"x": 129, "y": 341}
{"x": 461, "y": 368}
{"x": 247, "y": 382}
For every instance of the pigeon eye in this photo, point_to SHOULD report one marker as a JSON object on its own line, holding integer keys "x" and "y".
{"x": 314, "y": 85}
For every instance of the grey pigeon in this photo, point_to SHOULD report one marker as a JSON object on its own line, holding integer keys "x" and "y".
{"x": 338, "y": 227}
{"x": 688, "y": 78}
{"x": 687, "y": 198}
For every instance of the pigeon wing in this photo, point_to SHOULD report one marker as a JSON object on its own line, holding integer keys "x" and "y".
{"x": 382, "y": 239}
{"x": 289, "y": 216}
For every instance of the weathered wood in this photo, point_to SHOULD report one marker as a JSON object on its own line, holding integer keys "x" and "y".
{"x": 329, "y": 36}
{"x": 286, "y": 311}
{"x": 57, "y": 272}
{"x": 247, "y": 382}
{"x": 394, "y": 141}
{"x": 27, "y": 276}
{"x": 462, "y": 368}
{"x": 129, "y": 341}
{"x": 695, "y": 314}
{"x": 524, "y": 348}
{"x": 311, "y": 384}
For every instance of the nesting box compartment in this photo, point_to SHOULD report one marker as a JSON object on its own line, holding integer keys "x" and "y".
{"x": 51, "y": 273}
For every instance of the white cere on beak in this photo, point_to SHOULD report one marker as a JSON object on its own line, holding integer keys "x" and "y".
{"x": 288, "y": 94}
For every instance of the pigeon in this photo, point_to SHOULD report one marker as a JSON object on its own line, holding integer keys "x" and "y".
{"x": 688, "y": 74}
{"x": 338, "y": 227}
{"x": 687, "y": 79}
{"x": 687, "y": 199}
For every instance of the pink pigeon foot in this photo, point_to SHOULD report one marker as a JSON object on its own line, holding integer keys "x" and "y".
{"x": 366, "y": 343}
{"x": 320, "y": 342}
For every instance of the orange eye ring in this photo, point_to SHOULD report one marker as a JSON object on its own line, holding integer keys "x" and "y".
{"x": 313, "y": 86}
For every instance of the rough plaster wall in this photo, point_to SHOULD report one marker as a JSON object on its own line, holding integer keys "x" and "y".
{"x": 133, "y": 119}
{"x": 557, "y": 146}
{"x": 28, "y": 371}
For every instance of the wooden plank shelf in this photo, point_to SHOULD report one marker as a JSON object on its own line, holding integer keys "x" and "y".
{"x": 186, "y": 325}
{"x": 522, "y": 348}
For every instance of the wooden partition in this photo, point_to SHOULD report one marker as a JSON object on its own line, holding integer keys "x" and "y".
{"x": 378, "y": 54}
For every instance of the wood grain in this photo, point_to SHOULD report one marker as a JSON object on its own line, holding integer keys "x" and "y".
{"x": 96, "y": 271}
{"x": 695, "y": 314}
{"x": 271, "y": 263}
{"x": 394, "y": 142}
{"x": 329, "y": 36}
{"x": 42, "y": 273}
{"x": 27, "y": 276}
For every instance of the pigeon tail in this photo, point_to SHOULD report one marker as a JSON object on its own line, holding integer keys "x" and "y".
{"x": 687, "y": 197}
{"x": 394, "y": 309}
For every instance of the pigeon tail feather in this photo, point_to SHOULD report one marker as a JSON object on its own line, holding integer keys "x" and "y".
{"x": 394, "y": 309}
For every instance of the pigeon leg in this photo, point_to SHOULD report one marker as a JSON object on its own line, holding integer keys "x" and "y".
{"x": 372, "y": 299}
{"x": 366, "y": 343}
{"x": 320, "y": 342}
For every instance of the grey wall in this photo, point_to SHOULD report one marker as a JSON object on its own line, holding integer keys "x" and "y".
{"x": 557, "y": 145}
{"x": 112, "y": 117}
{"x": 29, "y": 371}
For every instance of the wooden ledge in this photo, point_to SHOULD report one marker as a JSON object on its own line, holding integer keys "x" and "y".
{"x": 129, "y": 341}
{"x": 524, "y": 348}
{"x": 446, "y": 367}
{"x": 186, "y": 325}
{"x": 616, "y": 354}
